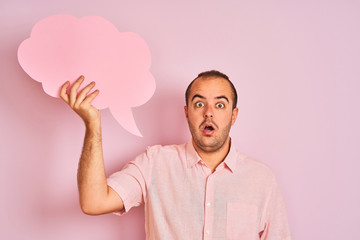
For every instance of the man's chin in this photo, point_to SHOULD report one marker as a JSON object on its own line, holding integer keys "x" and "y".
{"x": 209, "y": 145}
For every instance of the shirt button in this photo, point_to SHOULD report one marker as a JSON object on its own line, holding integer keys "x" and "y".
{"x": 208, "y": 204}
{"x": 207, "y": 232}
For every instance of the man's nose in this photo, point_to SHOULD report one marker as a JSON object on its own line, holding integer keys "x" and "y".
{"x": 209, "y": 113}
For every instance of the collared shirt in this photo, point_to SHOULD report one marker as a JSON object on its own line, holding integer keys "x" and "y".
{"x": 184, "y": 200}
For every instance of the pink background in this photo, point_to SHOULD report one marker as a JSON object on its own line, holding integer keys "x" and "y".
{"x": 295, "y": 65}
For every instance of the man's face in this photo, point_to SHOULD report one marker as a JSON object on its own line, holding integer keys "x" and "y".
{"x": 209, "y": 113}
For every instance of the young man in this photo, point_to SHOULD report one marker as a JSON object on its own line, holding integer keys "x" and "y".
{"x": 204, "y": 189}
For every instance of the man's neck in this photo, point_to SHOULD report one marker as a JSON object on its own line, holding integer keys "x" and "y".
{"x": 213, "y": 159}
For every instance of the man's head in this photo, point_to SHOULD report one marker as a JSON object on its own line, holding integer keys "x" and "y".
{"x": 209, "y": 74}
{"x": 210, "y": 110}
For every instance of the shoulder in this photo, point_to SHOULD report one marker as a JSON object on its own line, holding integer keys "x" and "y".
{"x": 254, "y": 167}
{"x": 158, "y": 150}
{"x": 158, "y": 155}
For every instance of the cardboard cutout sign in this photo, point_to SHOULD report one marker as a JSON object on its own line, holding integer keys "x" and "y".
{"x": 63, "y": 47}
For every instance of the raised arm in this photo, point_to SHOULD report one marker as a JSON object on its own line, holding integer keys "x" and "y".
{"x": 96, "y": 197}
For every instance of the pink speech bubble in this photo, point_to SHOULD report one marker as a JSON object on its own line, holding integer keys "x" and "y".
{"x": 63, "y": 47}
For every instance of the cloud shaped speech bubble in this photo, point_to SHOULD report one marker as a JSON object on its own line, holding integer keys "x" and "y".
{"x": 63, "y": 47}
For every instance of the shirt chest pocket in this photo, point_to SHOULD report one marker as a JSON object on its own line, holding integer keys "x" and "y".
{"x": 241, "y": 221}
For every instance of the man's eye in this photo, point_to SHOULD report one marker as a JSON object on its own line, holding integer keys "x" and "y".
{"x": 220, "y": 105}
{"x": 199, "y": 104}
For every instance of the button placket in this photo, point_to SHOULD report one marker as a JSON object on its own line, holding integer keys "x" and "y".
{"x": 208, "y": 207}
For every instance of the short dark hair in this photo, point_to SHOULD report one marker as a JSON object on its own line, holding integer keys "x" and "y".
{"x": 212, "y": 73}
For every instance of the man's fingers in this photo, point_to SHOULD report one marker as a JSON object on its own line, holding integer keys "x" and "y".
{"x": 63, "y": 93}
{"x": 81, "y": 96}
{"x": 91, "y": 97}
{"x": 73, "y": 90}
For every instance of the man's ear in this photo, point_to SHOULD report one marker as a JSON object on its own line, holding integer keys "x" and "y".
{"x": 234, "y": 115}
{"x": 186, "y": 112}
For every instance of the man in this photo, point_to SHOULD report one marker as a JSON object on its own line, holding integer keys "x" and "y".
{"x": 203, "y": 189}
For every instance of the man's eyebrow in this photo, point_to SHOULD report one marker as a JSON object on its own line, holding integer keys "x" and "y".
{"x": 220, "y": 97}
{"x": 197, "y": 95}
{"x": 202, "y": 97}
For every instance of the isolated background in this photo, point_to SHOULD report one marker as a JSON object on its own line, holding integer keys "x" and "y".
{"x": 295, "y": 65}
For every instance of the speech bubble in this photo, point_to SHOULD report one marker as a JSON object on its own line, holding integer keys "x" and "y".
{"x": 63, "y": 47}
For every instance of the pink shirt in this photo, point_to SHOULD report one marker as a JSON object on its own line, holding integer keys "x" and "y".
{"x": 184, "y": 200}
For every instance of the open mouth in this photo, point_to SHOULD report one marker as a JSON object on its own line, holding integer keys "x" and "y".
{"x": 208, "y": 129}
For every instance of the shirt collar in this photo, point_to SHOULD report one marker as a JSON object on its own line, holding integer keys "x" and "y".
{"x": 230, "y": 159}
{"x": 192, "y": 157}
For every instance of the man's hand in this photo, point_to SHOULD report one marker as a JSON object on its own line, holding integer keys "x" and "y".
{"x": 81, "y": 102}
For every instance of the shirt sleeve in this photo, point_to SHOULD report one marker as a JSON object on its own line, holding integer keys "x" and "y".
{"x": 275, "y": 219}
{"x": 130, "y": 182}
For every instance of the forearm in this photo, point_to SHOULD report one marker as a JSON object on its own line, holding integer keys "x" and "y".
{"x": 91, "y": 177}
{"x": 95, "y": 196}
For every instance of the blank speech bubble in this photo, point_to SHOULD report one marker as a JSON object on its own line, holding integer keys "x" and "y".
{"x": 63, "y": 47}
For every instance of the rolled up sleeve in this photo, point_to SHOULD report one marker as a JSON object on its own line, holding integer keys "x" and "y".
{"x": 130, "y": 182}
{"x": 275, "y": 218}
